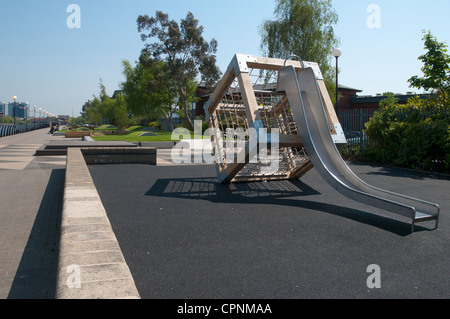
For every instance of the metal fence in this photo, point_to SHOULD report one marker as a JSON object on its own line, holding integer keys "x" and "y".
{"x": 7, "y": 129}
{"x": 354, "y": 121}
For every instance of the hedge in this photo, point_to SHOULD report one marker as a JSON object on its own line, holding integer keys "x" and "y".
{"x": 415, "y": 135}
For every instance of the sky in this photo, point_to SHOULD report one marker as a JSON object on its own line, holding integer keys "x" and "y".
{"x": 48, "y": 63}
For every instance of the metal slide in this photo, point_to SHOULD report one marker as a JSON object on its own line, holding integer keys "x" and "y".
{"x": 307, "y": 106}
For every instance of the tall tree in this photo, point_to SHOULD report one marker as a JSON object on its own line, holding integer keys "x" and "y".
{"x": 303, "y": 28}
{"x": 148, "y": 90}
{"x": 185, "y": 51}
{"x": 135, "y": 89}
{"x": 120, "y": 112}
{"x": 94, "y": 113}
{"x": 104, "y": 108}
{"x": 436, "y": 68}
{"x": 87, "y": 105}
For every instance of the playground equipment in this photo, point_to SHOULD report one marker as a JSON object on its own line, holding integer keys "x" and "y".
{"x": 290, "y": 97}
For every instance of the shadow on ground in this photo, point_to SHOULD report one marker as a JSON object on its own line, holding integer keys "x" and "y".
{"x": 393, "y": 171}
{"x": 283, "y": 193}
{"x": 36, "y": 275}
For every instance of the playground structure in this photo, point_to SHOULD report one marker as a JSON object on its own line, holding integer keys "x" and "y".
{"x": 290, "y": 97}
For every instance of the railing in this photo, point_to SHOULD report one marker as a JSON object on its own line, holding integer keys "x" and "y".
{"x": 7, "y": 129}
{"x": 353, "y": 122}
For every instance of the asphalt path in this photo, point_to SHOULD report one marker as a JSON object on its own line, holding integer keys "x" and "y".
{"x": 184, "y": 236}
{"x": 31, "y": 192}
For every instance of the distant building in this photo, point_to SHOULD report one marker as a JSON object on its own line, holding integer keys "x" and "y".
{"x": 351, "y": 100}
{"x": 63, "y": 119}
{"x": 2, "y": 109}
{"x": 346, "y": 95}
{"x": 355, "y": 110}
{"x": 20, "y": 111}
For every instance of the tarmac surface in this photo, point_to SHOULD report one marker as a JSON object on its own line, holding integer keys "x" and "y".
{"x": 185, "y": 236}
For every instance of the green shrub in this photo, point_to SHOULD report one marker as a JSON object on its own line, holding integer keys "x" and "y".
{"x": 423, "y": 145}
{"x": 415, "y": 135}
{"x": 155, "y": 125}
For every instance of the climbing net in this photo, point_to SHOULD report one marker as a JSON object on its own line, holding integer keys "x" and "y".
{"x": 231, "y": 123}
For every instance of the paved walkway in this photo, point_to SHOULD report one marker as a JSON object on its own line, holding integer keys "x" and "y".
{"x": 30, "y": 196}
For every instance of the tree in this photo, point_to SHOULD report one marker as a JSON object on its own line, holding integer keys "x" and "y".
{"x": 101, "y": 108}
{"x": 87, "y": 105}
{"x": 185, "y": 51}
{"x": 303, "y": 28}
{"x": 148, "y": 89}
{"x": 120, "y": 112}
{"x": 135, "y": 90}
{"x": 436, "y": 68}
{"x": 106, "y": 106}
{"x": 94, "y": 113}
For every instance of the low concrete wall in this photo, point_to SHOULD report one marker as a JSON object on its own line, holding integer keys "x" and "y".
{"x": 56, "y": 148}
{"x": 158, "y": 145}
{"x": 119, "y": 155}
{"x": 79, "y": 134}
{"x": 91, "y": 263}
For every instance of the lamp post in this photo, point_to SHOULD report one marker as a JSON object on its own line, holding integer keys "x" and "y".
{"x": 40, "y": 117}
{"x": 14, "y": 112}
{"x": 26, "y": 118}
{"x": 337, "y": 53}
{"x": 34, "y": 117}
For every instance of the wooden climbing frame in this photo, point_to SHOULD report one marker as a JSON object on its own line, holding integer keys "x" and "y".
{"x": 247, "y": 97}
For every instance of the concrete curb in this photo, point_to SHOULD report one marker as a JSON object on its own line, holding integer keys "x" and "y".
{"x": 120, "y": 155}
{"x": 91, "y": 263}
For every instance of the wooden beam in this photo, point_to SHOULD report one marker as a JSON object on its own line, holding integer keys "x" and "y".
{"x": 328, "y": 104}
{"x": 220, "y": 90}
{"x": 256, "y": 178}
{"x": 272, "y": 64}
{"x": 295, "y": 174}
{"x": 232, "y": 169}
{"x": 292, "y": 140}
{"x": 249, "y": 100}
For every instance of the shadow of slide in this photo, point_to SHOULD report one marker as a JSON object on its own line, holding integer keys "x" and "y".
{"x": 294, "y": 194}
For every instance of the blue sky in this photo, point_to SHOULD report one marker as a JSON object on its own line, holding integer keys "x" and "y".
{"x": 49, "y": 65}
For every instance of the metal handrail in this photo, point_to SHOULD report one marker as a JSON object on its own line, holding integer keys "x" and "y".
{"x": 294, "y": 56}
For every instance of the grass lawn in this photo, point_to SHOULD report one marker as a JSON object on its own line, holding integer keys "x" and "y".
{"x": 133, "y": 136}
